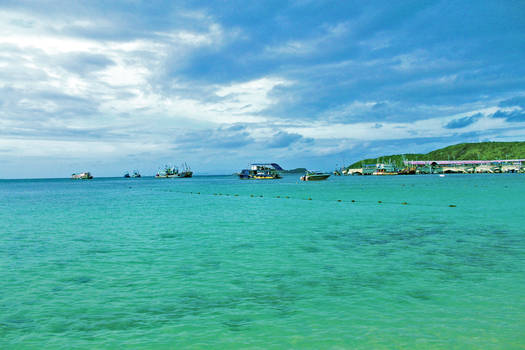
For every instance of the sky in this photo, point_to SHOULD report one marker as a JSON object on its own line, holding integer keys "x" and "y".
{"x": 112, "y": 86}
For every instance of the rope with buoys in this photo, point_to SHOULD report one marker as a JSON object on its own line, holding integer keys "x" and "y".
{"x": 307, "y": 198}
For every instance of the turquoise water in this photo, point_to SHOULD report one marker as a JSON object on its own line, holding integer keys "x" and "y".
{"x": 220, "y": 263}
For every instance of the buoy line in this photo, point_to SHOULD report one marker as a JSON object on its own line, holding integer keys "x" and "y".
{"x": 307, "y": 198}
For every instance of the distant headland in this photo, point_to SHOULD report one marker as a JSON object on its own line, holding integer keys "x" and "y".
{"x": 294, "y": 171}
{"x": 482, "y": 157}
{"x": 462, "y": 151}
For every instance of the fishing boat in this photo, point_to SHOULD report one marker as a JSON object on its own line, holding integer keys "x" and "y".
{"x": 408, "y": 171}
{"x": 261, "y": 171}
{"x": 82, "y": 176}
{"x": 185, "y": 171}
{"x": 134, "y": 175}
{"x": 167, "y": 172}
{"x": 314, "y": 176}
{"x": 174, "y": 172}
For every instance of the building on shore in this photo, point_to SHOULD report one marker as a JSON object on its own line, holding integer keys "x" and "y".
{"x": 413, "y": 167}
{"x": 467, "y": 166}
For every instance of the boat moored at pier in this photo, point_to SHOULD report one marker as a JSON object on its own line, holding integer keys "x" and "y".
{"x": 385, "y": 169}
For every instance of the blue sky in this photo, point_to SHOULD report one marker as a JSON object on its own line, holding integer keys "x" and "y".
{"x": 114, "y": 86}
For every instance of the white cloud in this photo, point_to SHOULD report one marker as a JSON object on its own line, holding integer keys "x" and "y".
{"x": 124, "y": 103}
{"x": 248, "y": 97}
{"x": 63, "y": 149}
{"x": 368, "y": 131}
{"x": 124, "y": 87}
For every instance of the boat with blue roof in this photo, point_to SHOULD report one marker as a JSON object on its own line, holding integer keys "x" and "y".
{"x": 261, "y": 171}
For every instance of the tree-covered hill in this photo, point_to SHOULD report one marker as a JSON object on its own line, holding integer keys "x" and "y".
{"x": 294, "y": 171}
{"x": 462, "y": 151}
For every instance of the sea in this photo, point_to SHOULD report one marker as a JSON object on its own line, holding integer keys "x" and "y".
{"x": 214, "y": 262}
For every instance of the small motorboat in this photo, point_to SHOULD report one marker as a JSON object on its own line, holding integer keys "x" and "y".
{"x": 314, "y": 176}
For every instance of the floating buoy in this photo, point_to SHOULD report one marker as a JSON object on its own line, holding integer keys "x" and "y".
{"x": 404, "y": 203}
{"x": 379, "y": 202}
{"x": 452, "y": 205}
{"x": 353, "y": 201}
{"x": 338, "y": 200}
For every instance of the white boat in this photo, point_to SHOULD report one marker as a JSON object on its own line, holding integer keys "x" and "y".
{"x": 314, "y": 176}
{"x": 82, "y": 176}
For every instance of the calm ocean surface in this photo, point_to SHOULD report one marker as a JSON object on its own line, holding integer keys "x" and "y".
{"x": 220, "y": 263}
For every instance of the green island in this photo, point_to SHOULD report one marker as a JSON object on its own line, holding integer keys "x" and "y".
{"x": 294, "y": 171}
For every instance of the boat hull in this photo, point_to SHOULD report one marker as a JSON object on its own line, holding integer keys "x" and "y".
{"x": 259, "y": 177}
{"x": 175, "y": 176}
